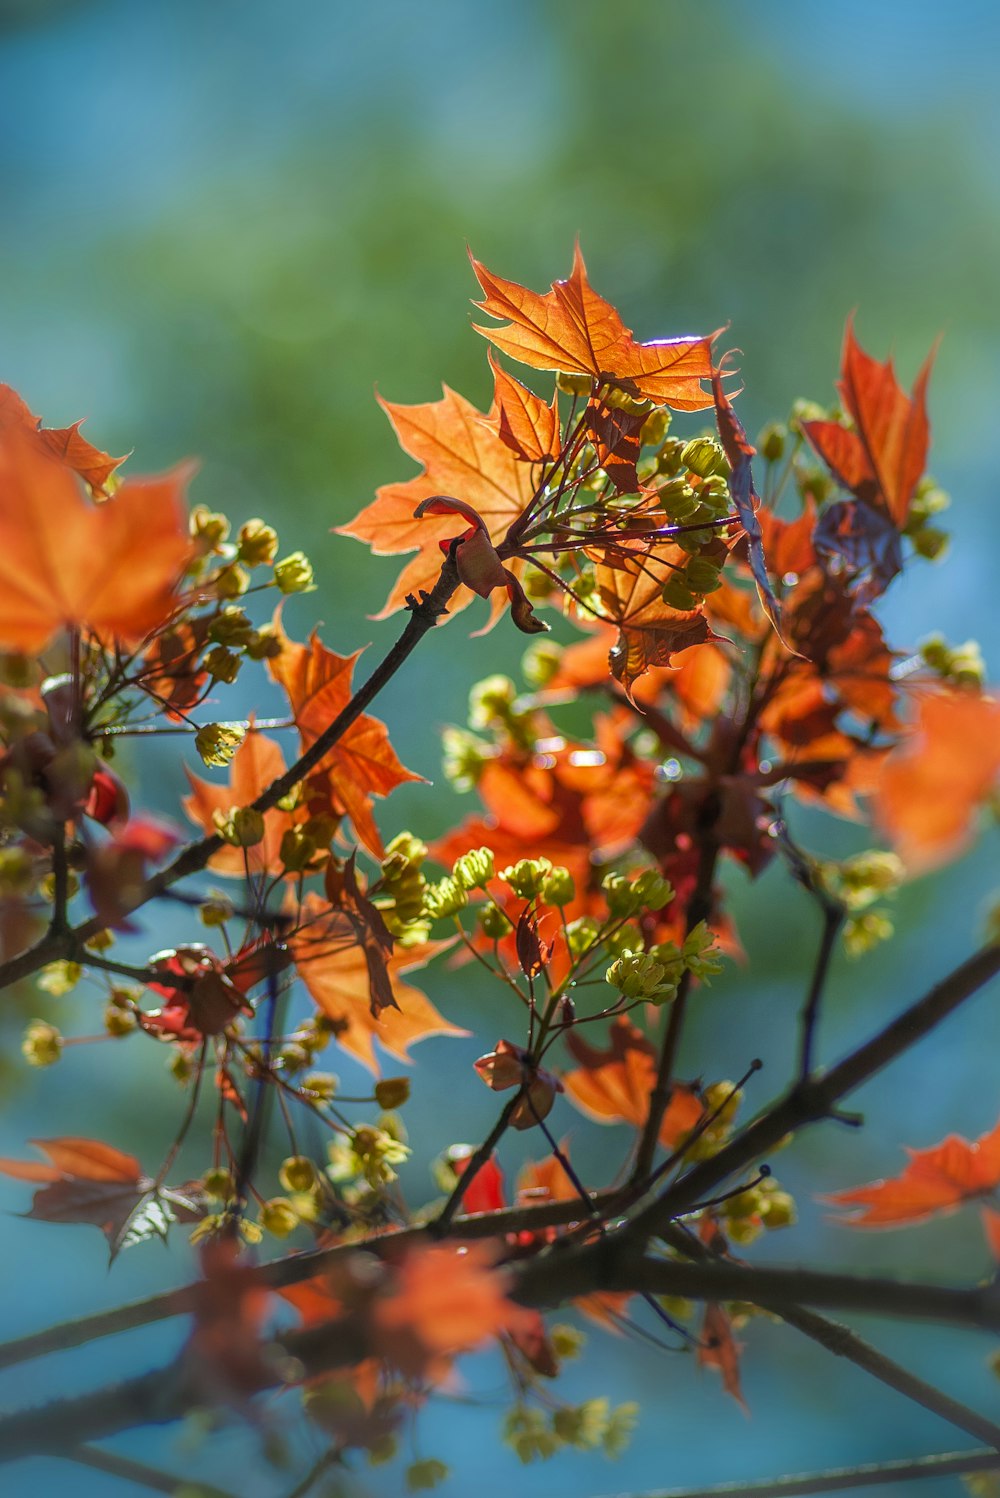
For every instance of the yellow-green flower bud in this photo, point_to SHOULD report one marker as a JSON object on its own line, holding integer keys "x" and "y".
{"x": 581, "y": 935}
{"x": 392, "y": 1092}
{"x": 42, "y": 1044}
{"x": 474, "y": 869}
{"x": 257, "y": 543}
{"x": 426, "y": 1474}
{"x": 58, "y": 978}
{"x": 931, "y": 543}
{"x": 670, "y": 461}
{"x": 803, "y": 411}
{"x": 230, "y": 627}
{"x": 297, "y": 1173}
{"x": 558, "y": 887}
{"x": 446, "y": 897}
{"x": 637, "y": 975}
{"x": 241, "y": 826}
{"x": 567, "y": 1341}
{"x": 464, "y": 757}
{"x": 218, "y": 1183}
{"x": 223, "y": 664}
{"x": 573, "y": 384}
{"x": 627, "y": 938}
{"x": 678, "y": 499}
{"x": 540, "y": 662}
{"x": 621, "y": 894}
{"x": 670, "y": 958}
{"x": 655, "y": 427}
{"x": 652, "y": 890}
{"x": 321, "y": 1085}
{"x": 778, "y": 1210}
{"x": 216, "y": 911}
{"x": 527, "y": 876}
{"x": 704, "y": 457}
{"x": 232, "y": 581}
{"x": 118, "y": 1022}
{"x": 208, "y": 528}
{"x": 406, "y": 847}
{"x": 493, "y": 923}
{"x": 278, "y": 1217}
{"x": 863, "y": 932}
{"x": 297, "y": 849}
{"x": 218, "y": 742}
{"x": 263, "y": 644}
{"x": 490, "y": 701}
{"x": 294, "y": 573}
{"x": 701, "y": 956}
{"x": 771, "y": 442}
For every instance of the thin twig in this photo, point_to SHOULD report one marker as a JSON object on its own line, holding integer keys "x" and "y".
{"x": 843, "y": 1479}
{"x": 140, "y": 1472}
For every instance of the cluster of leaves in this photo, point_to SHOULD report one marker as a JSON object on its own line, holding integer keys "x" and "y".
{"x": 736, "y": 659}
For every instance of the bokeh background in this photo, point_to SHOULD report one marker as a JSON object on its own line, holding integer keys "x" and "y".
{"x": 223, "y": 225}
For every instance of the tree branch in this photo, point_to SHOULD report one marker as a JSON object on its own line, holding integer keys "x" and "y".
{"x": 843, "y": 1479}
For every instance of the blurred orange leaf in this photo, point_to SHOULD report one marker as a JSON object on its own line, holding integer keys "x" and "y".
{"x": 614, "y": 1086}
{"x": 255, "y": 764}
{"x": 66, "y": 562}
{"x": 936, "y": 1180}
{"x": 64, "y": 443}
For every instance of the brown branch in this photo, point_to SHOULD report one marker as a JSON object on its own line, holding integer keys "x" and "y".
{"x": 191, "y": 859}
{"x": 140, "y": 1472}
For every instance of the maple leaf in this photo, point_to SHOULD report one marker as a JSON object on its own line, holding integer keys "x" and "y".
{"x": 334, "y": 968}
{"x": 255, "y": 764}
{"x": 650, "y": 632}
{"x": 936, "y": 1181}
{"x": 510, "y": 1065}
{"x": 65, "y": 443}
{"x": 614, "y": 1086}
{"x": 572, "y": 329}
{"x": 88, "y": 1181}
{"x": 362, "y": 763}
{"x": 928, "y": 789}
{"x": 460, "y": 454}
{"x": 443, "y": 1301}
{"x": 522, "y": 420}
{"x": 65, "y": 562}
{"x": 718, "y": 1348}
{"x": 883, "y": 457}
{"x": 207, "y": 997}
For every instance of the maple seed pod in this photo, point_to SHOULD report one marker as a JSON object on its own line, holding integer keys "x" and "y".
{"x": 222, "y": 664}
{"x": 321, "y": 1085}
{"x": 218, "y": 1183}
{"x": 118, "y": 1022}
{"x": 702, "y": 575}
{"x": 230, "y": 627}
{"x": 294, "y": 573}
{"x": 208, "y": 528}
{"x": 297, "y": 1173}
{"x": 526, "y": 876}
{"x": 392, "y": 1092}
{"x": 263, "y": 644}
{"x": 248, "y": 826}
{"x": 278, "y": 1217}
{"x": 42, "y": 1044}
{"x": 474, "y": 869}
{"x": 493, "y": 923}
{"x": 257, "y": 543}
{"x": 297, "y": 850}
{"x": 446, "y": 897}
{"x": 653, "y": 890}
{"x": 232, "y": 581}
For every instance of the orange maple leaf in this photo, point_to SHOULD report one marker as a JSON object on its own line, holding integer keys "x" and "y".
{"x": 66, "y": 562}
{"x": 572, "y": 329}
{"x": 650, "y": 632}
{"x": 936, "y": 1180}
{"x": 362, "y": 763}
{"x": 86, "y": 1182}
{"x": 882, "y": 458}
{"x": 929, "y": 788}
{"x": 65, "y": 443}
{"x": 255, "y": 764}
{"x": 334, "y": 968}
{"x": 522, "y": 420}
{"x": 614, "y": 1086}
{"x": 719, "y": 1349}
{"x": 461, "y": 456}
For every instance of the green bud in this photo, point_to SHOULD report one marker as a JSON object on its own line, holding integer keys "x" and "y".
{"x": 701, "y": 956}
{"x": 558, "y": 887}
{"x": 216, "y": 911}
{"x": 278, "y": 1217}
{"x": 321, "y": 1085}
{"x": 119, "y": 1022}
{"x": 426, "y": 1474}
{"x": 526, "y": 876}
{"x": 803, "y": 411}
{"x": 864, "y": 932}
{"x": 704, "y": 457}
{"x": 248, "y": 826}
{"x": 218, "y": 1183}
{"x": 670, "y": 460}
{"x": 771, "y": 442}
{"x": 621, "y": 895}
{"x": 702, "y": 575}
{"x": 230, "y": 627}
{"x": 392, "y": 1092}
{"x": 223, "y": 665}
{"x": 678, "y": 500}
{"x": 581, "y": 935}
{"x": 464, "y": 758}
{"x": 297, "y": 849}
{"x": 475, "y": 869}
{"x": 638, "y": 975}
{"x": 493, "y": 923}
{"x": 58, "y": 978}
{"x": 208, "y": 528}
{"x": 573, "y": 384}
{"x": 655, "y": 427}
{"x": 263, "y": 644}
{"x": 232, "y": 581}
{"x": 16, "y": 871}
{"x": 294, "y": 573}
{"x": 257, "y": 543}
{"x": 931, "y": 543}
{"x": 567, "y": 1341}
{"x": 297, "y": 1173}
